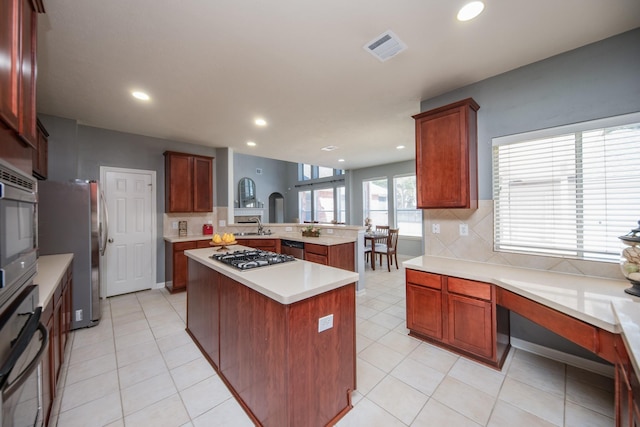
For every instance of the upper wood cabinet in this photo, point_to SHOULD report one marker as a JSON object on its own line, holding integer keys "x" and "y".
{"x": 40, "y": 158}
{"x": 446, "y": 156}
{"x": 188, "y": 182}
{"x": 18, "y": 25}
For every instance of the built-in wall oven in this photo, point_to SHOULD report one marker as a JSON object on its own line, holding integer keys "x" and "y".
{"x": 23, "y": 342}
{"x": 18, "y": 230}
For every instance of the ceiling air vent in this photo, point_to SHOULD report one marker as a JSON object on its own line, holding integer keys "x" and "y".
{"x": 385, "y": 46}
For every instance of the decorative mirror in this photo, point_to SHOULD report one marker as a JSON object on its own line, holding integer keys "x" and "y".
{"x": 247, "y": 193}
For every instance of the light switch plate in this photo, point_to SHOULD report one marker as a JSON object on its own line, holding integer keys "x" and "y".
{"x": 288, "y": 229}
{"x": 329, "y": 231}
{"x": 325, "y": 323}
{"x": 222, "y": 223}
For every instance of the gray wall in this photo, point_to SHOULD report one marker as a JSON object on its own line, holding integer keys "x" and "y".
{"x": 595, "y": 81}
{"x": 406, "y": 245}
{"x": 274, "y": 179}
{"x": 78, "y": 151}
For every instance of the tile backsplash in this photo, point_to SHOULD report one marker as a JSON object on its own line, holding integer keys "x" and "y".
{"x": 195, "y": 221}
{"x": 478, "y": 245}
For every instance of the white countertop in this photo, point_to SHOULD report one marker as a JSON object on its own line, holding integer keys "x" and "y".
{"x": 322, "y": 240}
{"x": 285, "y": 283}
{"x": 51, "y": 268}
{"x": 583, "y": 297}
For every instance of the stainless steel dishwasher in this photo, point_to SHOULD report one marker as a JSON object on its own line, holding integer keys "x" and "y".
{"x": 291, "y": 247}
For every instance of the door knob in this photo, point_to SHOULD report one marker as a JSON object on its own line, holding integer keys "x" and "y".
{"x": 110, "y": 240}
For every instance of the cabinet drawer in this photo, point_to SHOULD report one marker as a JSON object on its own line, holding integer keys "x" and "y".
{"x": 316, "y": 249}
{"x": 183, "y": 246}
{"x": 469, "y": 288}
{"x": 318, "y": 259}
{"x": 429, "y": 280}
{"x": 204, "y": 244}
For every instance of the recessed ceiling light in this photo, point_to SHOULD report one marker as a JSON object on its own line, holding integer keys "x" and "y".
{"x": 470, "y": 10}
{"x": 341, "y": 160}
{"x": 140, "y": 95}
{"x": 400, "y": 147}
{"x": 329, "y": 148}
{"x": 251, "y": 144}
{"x": 260, "y": 122}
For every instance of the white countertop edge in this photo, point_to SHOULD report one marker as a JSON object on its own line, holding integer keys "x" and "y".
{"x": 269, "y": 281}
{"x": 628, "y": 315}
{"x": 523, "y": 281}
{"x": 51, "y": 268}
{"x": 322, "y": 240}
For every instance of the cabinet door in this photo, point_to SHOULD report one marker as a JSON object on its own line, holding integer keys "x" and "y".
{"x": 39, "y": 158}
{"x": 48, "y": 378}
{"x": 446, "y": 157}
{"x": 424, "y": 310}
{"x": 202, "y": 184}
{"x": 203, "y": 309}
{"x": 180, "y": 260}
{"x": 470, "y": 325}
{"x": 27, "y": 106}
{"x": 10, "y": 51}
{"x": 179, "y": 183}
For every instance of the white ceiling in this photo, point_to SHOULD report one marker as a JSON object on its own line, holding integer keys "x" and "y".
{"x": 213, "y": 66}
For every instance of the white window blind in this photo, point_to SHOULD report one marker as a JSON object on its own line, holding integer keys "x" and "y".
{"x": 568, "y": 191}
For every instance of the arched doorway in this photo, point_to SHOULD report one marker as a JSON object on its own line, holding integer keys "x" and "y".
{"x": 276, "y": 208}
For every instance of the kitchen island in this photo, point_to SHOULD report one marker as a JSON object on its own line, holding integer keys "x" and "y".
{"x": 282, "y": 337}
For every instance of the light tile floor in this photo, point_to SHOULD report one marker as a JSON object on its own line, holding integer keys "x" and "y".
{"x": 138, "y": 367}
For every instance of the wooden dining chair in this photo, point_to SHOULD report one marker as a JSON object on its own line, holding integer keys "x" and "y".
{"x": 390, "y": 248}
{"x": 383, "y": 231}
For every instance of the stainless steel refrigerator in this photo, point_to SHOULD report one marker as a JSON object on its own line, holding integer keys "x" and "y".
{"x": 72, "y": 219}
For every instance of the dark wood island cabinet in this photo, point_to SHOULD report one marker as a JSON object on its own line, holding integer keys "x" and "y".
{"x": 281, "y": 368}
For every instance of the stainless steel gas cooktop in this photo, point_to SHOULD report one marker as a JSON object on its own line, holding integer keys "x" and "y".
{"x": 247, "y": 259}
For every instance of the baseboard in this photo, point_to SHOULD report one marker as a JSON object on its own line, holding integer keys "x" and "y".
{"x": 159, "y": 285}
{"x": 361, "y": 292}
{"x": 566, "y": 358}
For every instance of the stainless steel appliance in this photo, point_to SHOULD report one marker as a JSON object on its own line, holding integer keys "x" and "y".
{"x": 23, "y": 341}
{"x": 291, "y": 247}
{"x": 72, "y": 218}
{"x": 18, "y": 226}
{"x": 248, "y": 259}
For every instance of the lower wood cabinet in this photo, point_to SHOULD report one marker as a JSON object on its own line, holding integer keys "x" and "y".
{"x": 56, "y": 316}
{"x": 458, "y": 314}
{"x": 175, "y": 263}
{"x": 339, "y": 256}
{"x": 272, "y": 245}
{"x": 627, "y": 404}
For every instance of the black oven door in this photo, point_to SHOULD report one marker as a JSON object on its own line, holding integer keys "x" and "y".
{"x": 23, "y": 342}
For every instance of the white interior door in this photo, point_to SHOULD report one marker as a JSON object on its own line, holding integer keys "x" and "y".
{"x": 130, "y": 255}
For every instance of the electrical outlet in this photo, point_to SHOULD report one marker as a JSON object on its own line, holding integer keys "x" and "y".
{"x": 464, "y": 229}
{"x": 174, "y": 225}
{"x": 325, "y": 323}
{"x": 329, "y": 231}
{"x": 288, "y": 229}
{"x": 78, "y": 315}
{"x": 222, "y": 223}
{"x": 435, "y": 228}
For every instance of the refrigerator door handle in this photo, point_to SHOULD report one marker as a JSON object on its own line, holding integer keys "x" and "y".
{"x": 104, "y": 236}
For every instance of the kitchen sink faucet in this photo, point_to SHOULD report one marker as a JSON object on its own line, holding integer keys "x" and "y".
{"x": 260, "y": 228}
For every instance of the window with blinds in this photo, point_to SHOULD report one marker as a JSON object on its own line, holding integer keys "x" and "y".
{"x": 568, "y": 191}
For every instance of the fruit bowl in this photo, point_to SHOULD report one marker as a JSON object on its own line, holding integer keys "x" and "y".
{"x": 223, "y": 245}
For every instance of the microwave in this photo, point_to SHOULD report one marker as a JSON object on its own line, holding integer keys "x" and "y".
{"x": 18, "y": 230}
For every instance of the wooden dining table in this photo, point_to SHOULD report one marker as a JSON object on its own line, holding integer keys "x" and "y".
{"x": 373, "y": 238}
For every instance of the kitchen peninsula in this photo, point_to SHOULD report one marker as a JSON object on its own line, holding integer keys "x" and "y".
{"x": 282, "y": 337}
